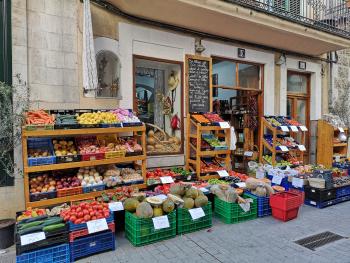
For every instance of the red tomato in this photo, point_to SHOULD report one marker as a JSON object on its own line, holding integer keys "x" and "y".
{"x": 73, "y": 218}
{"x": 80, "y": 215}
{"x": 100, "y": 216}
{"x": 93, "y": 218}
{"x": 105, "y": 205}
{"x": 93, "y": 203}
{"x": 78, "y": 209}
{"x": 66, "y": 218}
{"x": 86, "y": 217}
{"x": 92, "y": 213}
{"x": 106, "y": 214}
{"x": 94, "y": 207}
{"x": 86, "y": 212}
{"x": 78, "y": 221}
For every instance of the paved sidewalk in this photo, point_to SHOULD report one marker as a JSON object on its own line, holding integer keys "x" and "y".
{"x": 261, "y": 240}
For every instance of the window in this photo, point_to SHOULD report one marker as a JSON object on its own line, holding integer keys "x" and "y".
{"x": 108, "y": 73}
{"x": 158, "y": 102}
{"x": 249, "y": 76}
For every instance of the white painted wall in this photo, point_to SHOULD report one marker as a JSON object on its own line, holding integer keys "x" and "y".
{"x": 138, "y": 40}
{"x": 315, "y": 86}
{"x": 267, "y": 59}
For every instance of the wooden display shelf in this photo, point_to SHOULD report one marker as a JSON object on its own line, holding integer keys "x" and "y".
{"x": 326, "y": 147}
{"x": 137, "y": 131}
{"x": 266, "y": 126}
{"x": 59, "y": 200}
{"x": 199, "y": 129}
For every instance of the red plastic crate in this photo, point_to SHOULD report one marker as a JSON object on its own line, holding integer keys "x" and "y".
{"x": 285, "y": 201}
{"x": 69, "y": 191}
{"x": 285, "y": 215}
{"x": 298, "y": 192}
{"x": 84, "y": 232}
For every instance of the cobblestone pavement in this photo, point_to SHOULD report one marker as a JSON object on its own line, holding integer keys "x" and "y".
{"x": 261, "y": 240}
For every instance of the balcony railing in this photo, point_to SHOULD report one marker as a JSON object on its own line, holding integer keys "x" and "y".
{"x": 332, "y": 16}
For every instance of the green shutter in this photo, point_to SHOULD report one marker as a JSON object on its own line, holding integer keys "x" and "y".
{"x": 5, "y": 67}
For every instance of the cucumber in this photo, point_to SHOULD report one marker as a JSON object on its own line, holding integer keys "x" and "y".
{"x": 31, "y": 224}
{"x": 30, "y": 230}
{"x": 52, "y": 221}
{"x": 53, "y": 228}
{"x": 32, "y": 219}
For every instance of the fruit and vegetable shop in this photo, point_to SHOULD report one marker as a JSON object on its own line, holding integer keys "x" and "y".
{"x": 168, "y": 133}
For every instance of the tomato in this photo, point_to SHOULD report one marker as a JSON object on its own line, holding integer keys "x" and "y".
{"x": 66, "y": 218}
{"x": 100, "y": 216}
{"x": 106, "y": 214}
{"x": 73, "y": 218}
{"x": 94, "y": 207}
{"x": 80, "y": 215}
{"x": 93, "y": 218}
{"x": 86, "y": 212}
{"x": 78, "y": 209}
{"x": 93, "y": 203}
{"x": 105, "y": 205}
{"x": 78, "y": 221}
{"x": 86, "y": 217}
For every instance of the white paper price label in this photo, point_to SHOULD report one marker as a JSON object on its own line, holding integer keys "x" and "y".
{"x": 162, "y": 197}
{"x": 196, "y": 213}
{"x": 32, "y": 238}
{"x": 223, "y": 173}
{"x": 303, "y": 128}
{"x": 97, "y": 225}
{"x": 294, "y": 128}
{"x": 276, "y": 179}
{"x": 284, "y": 128}
{"x": 160, "y": 222}
{"x": 246, "y": 206}
{"x": 248, "y": 153}
{"x": 224, "y": 125}
{"x": 203, "y": 189}
{"x": 283, "y": 148}
{"x": 241, "y": 185}
{"x": 337, "y": 158}
{"x": 116, "y": 206}
{"x": 260, "y": 174}
{"x": 297, "y": 182}
{"x": 166, "y": 179}
{"x": 341, "y": 129}
{"x": 301, "y": 147}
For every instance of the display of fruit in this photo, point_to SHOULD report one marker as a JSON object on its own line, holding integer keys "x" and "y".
{"x": 31, "y": 213}
{"x": 208, "y": 166}
{"x": 35, "y": 153}
{"x": 67, "y": 181}
{"x": 56, "y": 210}
{"x": 125, "y": 115}
{"x": 200, "y": 118}
{"x": 214, "y": 142}
{"x": 292, "y": 122}
{"x": 97, "y": 118}
{"x": 84, "y": 212}
{"x": 64, "y": 147}
{"x": 88, "y": 145}
{"x": 213, "y": 117}
{"x": 181, "y": 171}
{"x": 341, "y": 181}
{"x": 130, "y": 144}
{"x": 241, "y": 176}
{"x": 42, "y": 183}
{"x": 259, "y": 188}
{"x": 227, "y": 193}
{"x": 204, "y": 144}
{"x": 157, "y": 173}
{"x": 89, "y": 176}
{"x": 273, "y": 121}
{"x": 119, "y": 194}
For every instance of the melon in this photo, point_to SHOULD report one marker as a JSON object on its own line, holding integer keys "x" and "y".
{"x": 188, "y": 203}
{"x": 200, "y": 201}
{"x": 130, "y": 204}
{"x": 192, "y": 193}
{"x": 168, "y": 206}
{"x": 144, "y": 210}
{"x": 157, "y": 211}
{"x": 177, "y": 189}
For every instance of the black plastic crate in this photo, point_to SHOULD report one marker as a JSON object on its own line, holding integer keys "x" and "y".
{"x": 34, "y": 197}
{"x": 319, "y": 195}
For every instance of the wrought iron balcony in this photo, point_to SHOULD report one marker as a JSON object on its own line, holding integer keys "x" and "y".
{"x": 332, "y": 16}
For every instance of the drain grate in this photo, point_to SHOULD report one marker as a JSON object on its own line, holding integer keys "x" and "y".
{"x": 318, "y": 240}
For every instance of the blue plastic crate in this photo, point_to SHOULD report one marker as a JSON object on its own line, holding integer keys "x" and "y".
{"x": 263, "y": 204}
{"x": 74, "y": 227}
{"x": 92, "y": 244}
{"x": 327, "y": 203}
{"x": 94, "y": 188}
{"x": 284, "y": 182}
{"x": 56, "y": 254}
{"x": 42, "y": 144}
{"x": 343, "y": 191}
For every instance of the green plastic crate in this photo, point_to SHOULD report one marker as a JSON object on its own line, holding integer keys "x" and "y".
{"x": 185, "y": 223}
{"x": 141, "y": 231}
{"x": 231, "y": 213}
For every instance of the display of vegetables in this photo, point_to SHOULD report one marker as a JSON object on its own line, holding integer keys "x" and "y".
{"x": 88, "y": 145}
{"x": 130, "y": 175}
{"x": 97, "y": 118}
{"x": 210, "y": 166}
{"x": 217, "y": 181}
{"x": 64, "y": 147}
{"x": 67, "y": 181}
{"x": 213, "y": 117}
{"x": 42, "y": 183}
{"x": 84, "y": 212}
{"x": 125, "y": 115}
{"x": 112, "y": 176}
{"x": 30, "y": 213}
{"x": 55, "y": 211}
{"x": 41, "y": 223}
{"x": 89, "y": 176}
{"x": 213, "y": 141}
{"x": 66, "y": 119}
{"x": 119, "y": 194}
{"x": 39, "y": 117}
{"x": 158, "y": 172}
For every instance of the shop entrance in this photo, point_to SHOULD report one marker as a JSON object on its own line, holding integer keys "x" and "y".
{"x": 298, "y": 101}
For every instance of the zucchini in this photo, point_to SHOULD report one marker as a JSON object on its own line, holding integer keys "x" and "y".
{"x": 33, "y": 219}
{"x": 53, "y": 228}
{"x": 29, "y": 225}
{"x": 52, "y": 221}
{"x": 30, "y": 230}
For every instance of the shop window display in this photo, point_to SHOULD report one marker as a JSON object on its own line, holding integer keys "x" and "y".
{"x": 158, "y": 102}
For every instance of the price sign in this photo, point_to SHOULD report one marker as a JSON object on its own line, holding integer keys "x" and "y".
{"x": 260, "y": 174}
{"x": 283, "y": 148}
{"x": 160, "y": 222}
{"x": 223, "y": 173}
{"x": 196, "y": 213}
{"x": 297, "y": 182}
{"x": 248, "y": 153}
{"x": 302, "y": 148}
{"x": 284, "y": 128}
{"x": 32, "y": 238}
{"x": 303, "y": 128}
{"x": 166, "y": 179}
{"x": 294, "y": 128}
{"x": 97, "y": 225}
{"x": 246, "y": 206}
{"x": 341, "y": 129}
{"x": 203, "y": 189}
{"x": 162, "y": 197}
{"x": 241, "y": 185}
{"x": 276, "y": 179}
{"x": 116, "y": 206}
{"x": 337, "y": 158}
{"x": 224, "y": 125}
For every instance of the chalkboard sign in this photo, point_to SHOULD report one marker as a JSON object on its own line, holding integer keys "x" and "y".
{"x": 198, "y": 70}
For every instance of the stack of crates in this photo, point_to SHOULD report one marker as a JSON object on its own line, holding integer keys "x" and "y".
{"x": 83, "y": 244}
